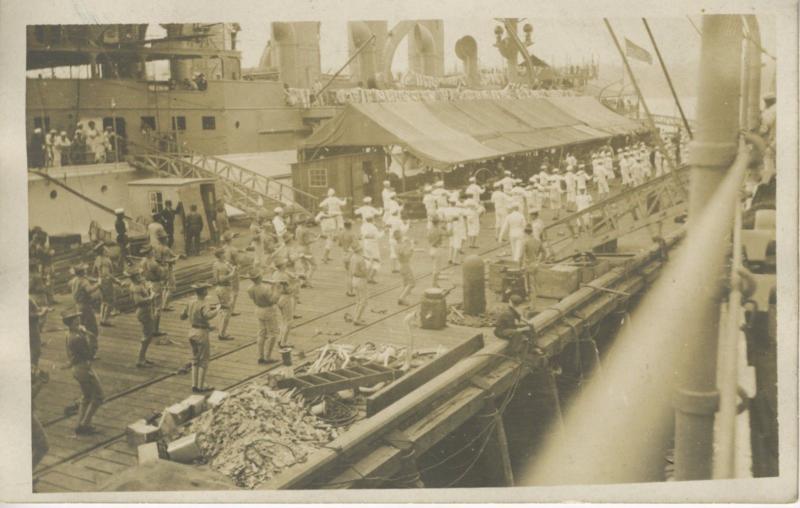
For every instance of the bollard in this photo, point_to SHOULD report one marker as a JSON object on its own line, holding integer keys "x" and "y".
{"x": 473, "y": 286}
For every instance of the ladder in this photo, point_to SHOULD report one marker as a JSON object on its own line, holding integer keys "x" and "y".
{"x": 247, "y": 190}
{"x": 320, "y": 383}
{"x": 658, "y": 200}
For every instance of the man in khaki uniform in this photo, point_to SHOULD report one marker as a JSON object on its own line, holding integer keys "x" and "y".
{"x": 223, "y": 273}
{"x": 200, "y": 313}
{"x": 265, "y": 298}
{"x": 79, "y": 355}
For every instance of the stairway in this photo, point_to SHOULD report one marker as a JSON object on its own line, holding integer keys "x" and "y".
{"x": 242, "y": 188}
{"x": 658, "y": 200}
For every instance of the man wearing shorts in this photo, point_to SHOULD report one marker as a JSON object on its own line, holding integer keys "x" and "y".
{"x": 79, "y": 355}
{"x": 143, "y": 301}
{"x": 265, "y": 298}
{"x": 200, "y": 313}
{"x": 224, "y": 273}
{"x": 405, "y": 249}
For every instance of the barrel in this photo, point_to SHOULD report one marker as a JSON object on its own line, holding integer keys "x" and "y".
{"x": 514, "y": 282}
{"x": 433, "y": 309}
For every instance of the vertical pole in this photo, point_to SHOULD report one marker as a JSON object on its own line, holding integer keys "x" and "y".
{"x": 669, "y": 80}
{"x": 753, "y": 73}
{"x": 496, "y": 458}
{"x": 712, "y": 151}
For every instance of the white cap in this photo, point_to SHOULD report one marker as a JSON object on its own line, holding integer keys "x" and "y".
{"x": 331, "y": 192}
{"x": 386, "y": 183}
{"x": 532, "y": 179}
{"x": 278, "y": 209}
{"x": 439, "y": 184}
{"x": 452, "y": 199}
{"x": 428, "y": 187}
{"x": 473, "y": 179}
{"x": 63, "y": 133}
{"x": 543, "y": 166}
{"x": 367, "y": 199}
{"x": 497, "y": 185}
{"x": 507, "y": 172}
{"x": 37, "y": 130}
{"x": 119, "y": 211}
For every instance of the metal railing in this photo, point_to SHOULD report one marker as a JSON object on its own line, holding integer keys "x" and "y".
{"x": 243, "y": 188}
{"x": 656, "y": 201}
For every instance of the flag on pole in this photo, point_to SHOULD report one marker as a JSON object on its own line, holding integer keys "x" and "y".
{"x": 637, "y": 52}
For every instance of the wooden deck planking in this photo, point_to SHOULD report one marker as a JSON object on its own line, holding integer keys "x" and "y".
{"x": 322, "y": 309}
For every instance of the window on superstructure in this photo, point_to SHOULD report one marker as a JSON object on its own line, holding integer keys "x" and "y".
{"x": 41, "y": 122}
{"x": 209, "y": 123}
{"x": 318, "y": 177}
{"x": 179, "y": 123}
{"x": 156, "y": 201}
{"x": 149, "y": 123}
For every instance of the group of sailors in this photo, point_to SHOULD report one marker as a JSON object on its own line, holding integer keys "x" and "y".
{"x": 88, "y": 145}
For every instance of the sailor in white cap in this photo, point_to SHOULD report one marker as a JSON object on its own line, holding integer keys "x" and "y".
{"x": 278, "y": 223}
{"x": 61, "y": 144}
{"x": 507, "y": 181}
{"x": 554, "y": 187}
{"x": 500, "y": 200}
{"x": 386, "y": 193}
{"x": 473, "y": 212}
{"x": 429, "y": 200}
{"x": 600, "y": 176}
{"x": 390, "y": 207}
{"x": 474, "y": 190}
{"x": 441, "y": 195}
{"x": 570, "y": 180}
{"x": 581, "y": 177}
{"x": 514, "y": 228}
{"x": 370, "y": 234}
{"x": 458, "y": 229}
{"x": 367, "y": 211}
{"x": 393, "y": 223}
{"x": 332, "y": 205}
{"x": 518, "y": 196}
{"x": 625, "y": 168}
{"x": 534, "y": 196}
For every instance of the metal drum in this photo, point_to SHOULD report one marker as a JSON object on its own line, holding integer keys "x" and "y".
{"x": 514, "y": 282}
{"x": 496, "y": 269}
{"x": 433, "y": 309}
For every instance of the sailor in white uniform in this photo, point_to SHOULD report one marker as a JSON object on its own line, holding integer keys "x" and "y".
{"x": 474, "y": 190}
{"x": 500, "y": 200}
{"x": 367, "y": 211}
{"x": 333, "y": 206}
{"x": 429, "y": 200}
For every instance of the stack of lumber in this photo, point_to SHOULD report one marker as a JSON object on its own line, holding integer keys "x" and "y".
{"x": 339, "y": 356}
{"x": 256, "y": 433}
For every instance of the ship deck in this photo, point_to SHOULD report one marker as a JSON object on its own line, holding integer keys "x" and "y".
{"x": 84, "y": 463}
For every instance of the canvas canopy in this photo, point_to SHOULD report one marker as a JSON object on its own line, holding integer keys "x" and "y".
{"x": 442, "y": 134}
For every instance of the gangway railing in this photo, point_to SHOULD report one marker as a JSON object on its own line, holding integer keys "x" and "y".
{"x": 243, "y": 188}
{"x": 656, "y": 201}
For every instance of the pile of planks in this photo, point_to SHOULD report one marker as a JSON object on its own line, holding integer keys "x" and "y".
{"x": 258, "y": 432}
{"x": 339, "y": 356}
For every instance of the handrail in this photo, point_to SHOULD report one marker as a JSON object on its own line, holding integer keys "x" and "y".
{"x": 233, "y": 173}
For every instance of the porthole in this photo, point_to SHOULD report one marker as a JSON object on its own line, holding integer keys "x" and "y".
{"x": 236, "y": 124}
{"x": 104, "y": 189}
{"x": 53, "y": 194}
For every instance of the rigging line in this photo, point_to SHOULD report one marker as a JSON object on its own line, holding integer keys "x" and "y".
{"x": 694, "y": 26}
{"x": 669, "y": 80}
{"x": 650, "y": 122}
{"x": 749, "y": 37}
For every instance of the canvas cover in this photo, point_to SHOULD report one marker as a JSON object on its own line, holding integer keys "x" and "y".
{"x": 442, "y": 134}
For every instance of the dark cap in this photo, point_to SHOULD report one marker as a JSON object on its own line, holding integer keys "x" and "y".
{"x": 528, "y": 229}
{"x": 219, "y": 253}
{"x": 200, "y": 286}
{"x": 146, "y": 249}
{"x": 79, "y": 268}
